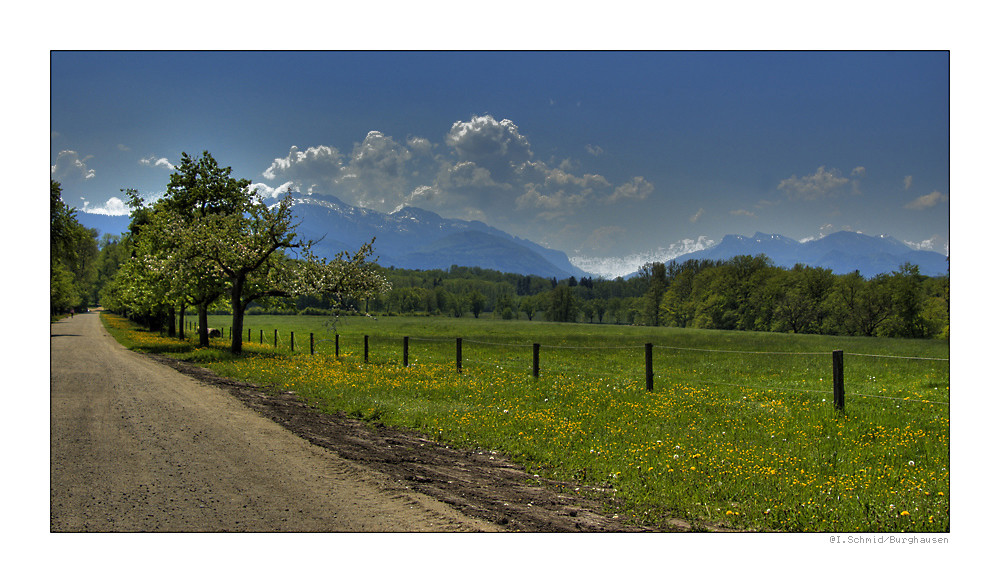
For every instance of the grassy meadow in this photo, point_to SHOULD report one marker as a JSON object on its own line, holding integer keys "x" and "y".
{"x": 740, "y": 428}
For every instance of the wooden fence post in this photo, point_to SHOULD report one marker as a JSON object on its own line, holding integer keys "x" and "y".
{"x": 311, "y": 347}
{"x": 649, "y": 366}
{"x": 292, "y": 340}
{"x": 261, "y": 335}
{"x": 275, "y": 338}
{"x": 458, "y": 355}
{"x": 534, "y": 359}
{"x": 838, "y": 379}
{"x": 336, "y": 345}
{"x": 366, "y": 348}
{"x": 406, "y": 351}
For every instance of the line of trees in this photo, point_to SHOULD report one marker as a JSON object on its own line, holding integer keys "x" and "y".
{"x": 210, "y": 244}
{"x": 742, "y": 293}
{"x": 80, "y": 263}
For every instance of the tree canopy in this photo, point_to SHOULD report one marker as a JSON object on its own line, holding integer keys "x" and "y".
{"x": 73, "y": 257}
{"x": 211, "y": 242}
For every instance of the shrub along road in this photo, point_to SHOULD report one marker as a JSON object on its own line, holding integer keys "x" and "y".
{"x": 144, "y": 444}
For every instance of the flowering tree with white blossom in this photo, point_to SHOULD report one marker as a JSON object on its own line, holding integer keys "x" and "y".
{"x": 252, "y": 250}
{"x": 211, "y": 240}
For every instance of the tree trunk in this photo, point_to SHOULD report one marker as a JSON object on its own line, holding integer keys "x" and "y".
{"x": 203, "y": 324}
{"x": 180, "y": 323}
{"x": 172, "y": 325}
{"x": 238, "y": 308}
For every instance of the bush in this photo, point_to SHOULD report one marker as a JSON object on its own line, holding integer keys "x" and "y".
{"x": 311, "y": 311}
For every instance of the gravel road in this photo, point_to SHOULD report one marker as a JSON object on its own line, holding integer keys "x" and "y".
{"x": 136, "y": 446}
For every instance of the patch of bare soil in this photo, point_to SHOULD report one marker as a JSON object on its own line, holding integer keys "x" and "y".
{"x": 482, "y": 484}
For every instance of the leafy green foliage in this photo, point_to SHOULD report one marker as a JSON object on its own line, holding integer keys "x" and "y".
{"x": 210, "y": 243}
{"x": 73, "y": 261}
{"x": 744, "y": 293}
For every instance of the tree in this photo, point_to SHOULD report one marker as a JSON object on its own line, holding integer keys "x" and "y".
{"x": 874, "y": 305}
{"x": 656, "y": 274}
{"x": 72, "y": 255}
{"x": 506, "y": 306}
{"x": 249, "y": 246}
{"x": 457, "y": 304}
{"x": 562, "y": 304}
{"x": 211, "y": 240}
{"x": 109, "y": 258}
{"x": 199, "y": 188}
{"x": 600, "y": 306}
{"x": 165, "y": 271}
{"x": 529, "y": 305}
{"x": 62, "y": 223}
{"x": 907, "y": 291}
{"x": 476, "y": 302}
{"x": 62, "y": 291}
{"x": 800, "y": 303}
{"x": 615, "y": 308}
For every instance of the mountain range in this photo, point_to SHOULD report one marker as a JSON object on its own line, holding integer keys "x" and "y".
{"x": 413, "y": 238}
{"x": 841, "y": 252}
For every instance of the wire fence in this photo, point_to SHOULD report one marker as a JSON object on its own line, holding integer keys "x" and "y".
{"x": 814, "y": 373}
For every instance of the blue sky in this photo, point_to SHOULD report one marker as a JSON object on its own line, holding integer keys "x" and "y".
{"x": 613, "y": 157}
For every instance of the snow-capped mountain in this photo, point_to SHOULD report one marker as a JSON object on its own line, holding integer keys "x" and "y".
{"x": 414, "y": 238}
{"x": 409, "y": 238}
{"x": 841, "y": 252}
{"x": 628, "y": 265}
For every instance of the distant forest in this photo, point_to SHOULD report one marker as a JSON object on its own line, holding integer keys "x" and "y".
{"x": 742, "y": 293}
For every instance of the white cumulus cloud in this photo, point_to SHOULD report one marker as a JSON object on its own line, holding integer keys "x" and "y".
{"x": 636, "y": 189}
{"x": 547, "y": 203}
{"x": 264, "y": 191}
{"x": 115, "y": 207}
{"x": 495, "y": 145}
{"x": 156, "y": 162}
{"x": 823, "y": 183}
{"x": 934, "y": 243}
{"x": 317, "y": 167}
{"x": 926, "y": 201}
{"x": 69, "y": 165}
{"x": 485, "y": 168}
{"x": 485, "y": 138}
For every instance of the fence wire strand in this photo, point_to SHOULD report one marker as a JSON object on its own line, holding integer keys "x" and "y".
{"x": 516, "y": 360}
{"x": 899, "y": 357}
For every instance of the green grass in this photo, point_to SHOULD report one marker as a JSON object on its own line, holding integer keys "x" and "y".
{"x": 740, "y": 427}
